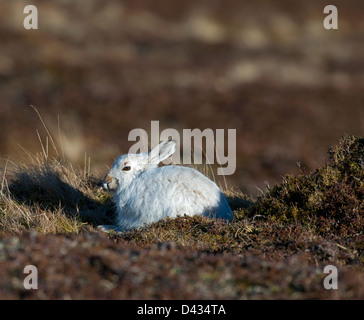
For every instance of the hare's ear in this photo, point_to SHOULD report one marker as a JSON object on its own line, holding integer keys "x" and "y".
{"x": 162, "y": 151}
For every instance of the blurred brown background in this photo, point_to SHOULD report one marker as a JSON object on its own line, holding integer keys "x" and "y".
{"x": 268, "y": 69}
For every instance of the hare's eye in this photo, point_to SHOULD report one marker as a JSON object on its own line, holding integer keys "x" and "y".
{"x": 126, "y": 168}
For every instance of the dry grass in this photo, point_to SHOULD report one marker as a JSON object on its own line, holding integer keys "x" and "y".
{"x": 49, "y": 195}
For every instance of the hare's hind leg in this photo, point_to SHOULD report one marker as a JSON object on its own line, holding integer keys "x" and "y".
{"x": 110, "y": 228}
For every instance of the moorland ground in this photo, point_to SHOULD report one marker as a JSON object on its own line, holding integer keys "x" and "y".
{"x": 270, "y": 70}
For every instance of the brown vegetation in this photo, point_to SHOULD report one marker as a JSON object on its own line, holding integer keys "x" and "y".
{"x": 98, "y": 69}
{"x": 276, "y": 246}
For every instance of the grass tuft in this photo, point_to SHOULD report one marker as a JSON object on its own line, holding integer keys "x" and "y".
{"x": 330, "y": 198}
{"x": 49, "y": 196}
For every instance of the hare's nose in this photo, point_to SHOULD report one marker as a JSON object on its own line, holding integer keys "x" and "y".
{"x": 106, "y": 182}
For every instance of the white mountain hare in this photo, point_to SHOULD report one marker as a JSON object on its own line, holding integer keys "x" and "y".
{"x": 145, "y": 193}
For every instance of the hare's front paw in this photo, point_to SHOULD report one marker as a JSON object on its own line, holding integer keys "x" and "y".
{"x": 110, "y": 228}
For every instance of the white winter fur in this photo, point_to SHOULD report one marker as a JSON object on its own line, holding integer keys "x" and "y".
{"x": 145, "y": 193}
